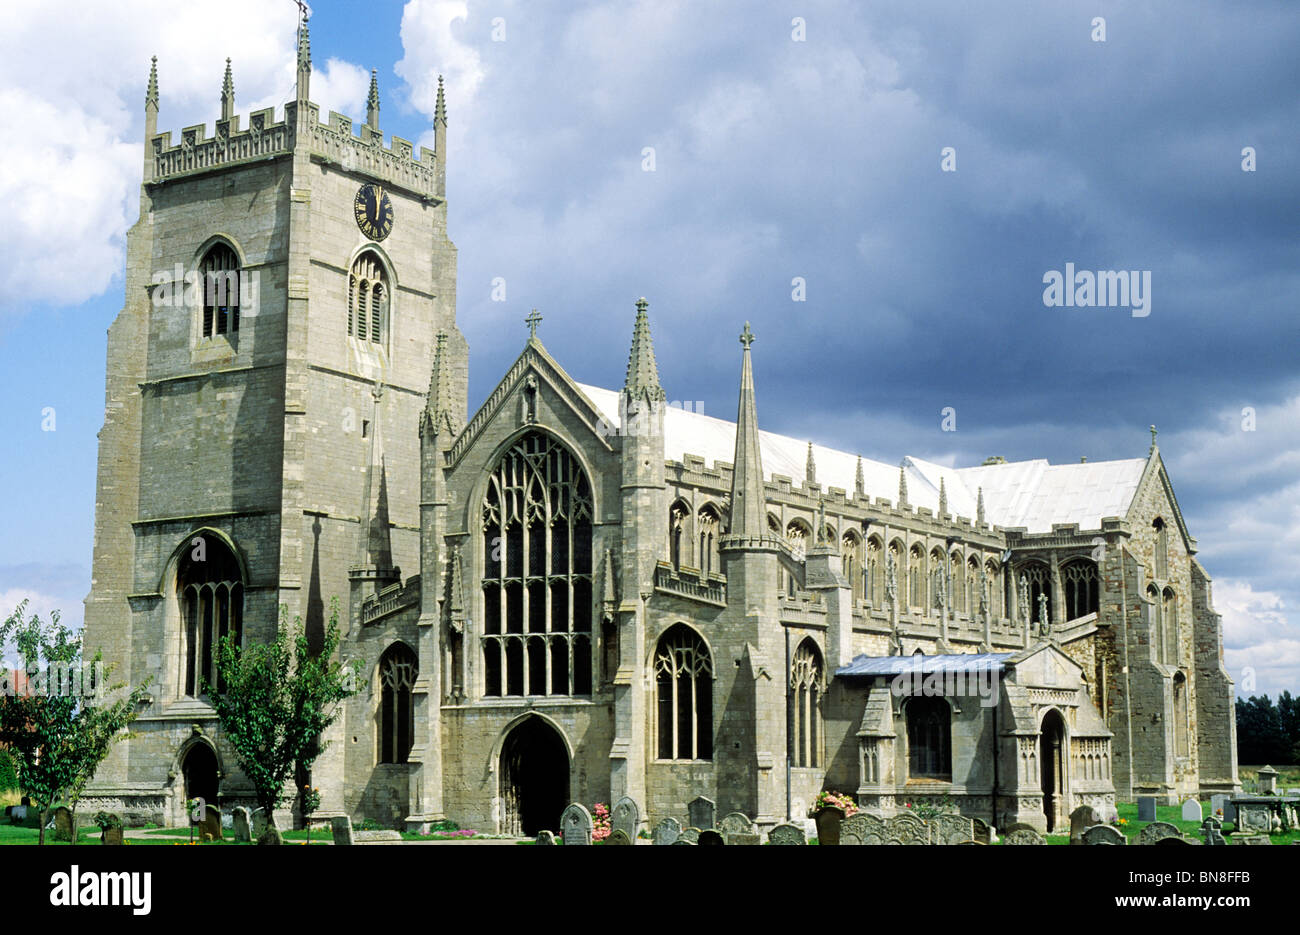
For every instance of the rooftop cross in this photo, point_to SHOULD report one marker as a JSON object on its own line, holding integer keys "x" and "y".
{"x": 533, "y": 320}
{"x": 1153, "y": 438}
{"x": 747, "y": 336}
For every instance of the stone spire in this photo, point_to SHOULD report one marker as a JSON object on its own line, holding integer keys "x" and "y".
{"x": 902, "y": 486}
{"x": 372, "y": 101}
{"x": 748, "y": 505}
{"x": 642, "y": 372}
{"x": 151, "y": 93}
{"x": 440, "y": 138}
{"x": 304, "y": 61}
{"x": 979, "y": 507}
{"x": 943, "y": 498}
{"x": 859, "y": 485}
{"x": 437, "y": 407}
{"x": 810, "y": 468}
{"x": 227, "y": 94}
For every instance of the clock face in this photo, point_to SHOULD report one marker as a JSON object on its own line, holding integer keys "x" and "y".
{"x": 374, "y": 211}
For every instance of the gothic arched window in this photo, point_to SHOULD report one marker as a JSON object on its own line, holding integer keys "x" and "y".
{"x": 1040, "y": 583}
{"x": 805, "y": 705}
{"x": 994, "y": 574}
{"x": 368, "y": 299}
{"x": 1081, "y": 583}
{"x": 929, "y": 732}
{"x": 1161, "y": 549}
{"x": 938, "y": 582}
{"x": 398, "y": 669}
{"x": 957, "y": 597}
{"x": 1181, "y": 731}
{"x": 851, "y": 556}
{"x": 916, "y": 578}
{"x": 210, "y": 586}
{"x": 974, "y": 592}
{"x": 679, "y": 534}
{"x": 709, "y": 524}
{"x": 1157, "y": 625}
{"x": 684, "y": 686}
{"x": 1169, "y": 617}
{"x": 797, "y": 534}
{"x": 537, "y": 544}
{"x": 875, "y": 577}
{"x": 219, "y": 281}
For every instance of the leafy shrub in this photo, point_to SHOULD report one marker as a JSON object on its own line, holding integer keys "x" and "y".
{"x": 8, "y": 771}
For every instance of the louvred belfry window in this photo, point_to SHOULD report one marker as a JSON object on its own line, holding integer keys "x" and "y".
{"x": 537, "y": 547}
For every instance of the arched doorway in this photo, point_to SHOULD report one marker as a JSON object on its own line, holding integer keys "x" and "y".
{"x": 1051, "y": 758}
{"x": 534, "y": 778}
{"x": 200, "y": 770}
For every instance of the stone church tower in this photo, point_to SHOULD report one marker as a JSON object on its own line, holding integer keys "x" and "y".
{"x": 266, "y": 377}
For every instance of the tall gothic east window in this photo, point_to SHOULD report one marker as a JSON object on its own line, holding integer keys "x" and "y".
{"x": 398, "y": 668}
{"x": 683, "y": 671}
{"x": 537, "y": 544}
{"x": 805, "y": 705}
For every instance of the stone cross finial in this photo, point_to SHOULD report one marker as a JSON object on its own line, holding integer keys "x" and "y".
{"x": 1153, "y": 438}
{"x": 533, "y": 320}
{"x": 746, "y": 337}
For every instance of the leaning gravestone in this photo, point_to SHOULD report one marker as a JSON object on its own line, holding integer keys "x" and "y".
{"x": 1023, "y": 836}
{"x": 786, "y": 834}
{"x": 1103, "y": 834}
{"x": 734, "y": 823}
{"x": 112, "y": 834}
{"x": 1192, "y": 811}
{"x": 63, "y": 830}
{"x": 210, "y": 824}
{"x": 575, "y": 825}
{"x": 1157, "y": 831}
{"x": 1081, "y": 819}
{"x": 619, "y": 837}
{"x": 667, "y": 831}
{"x": 1146, "y": 808}
{"x": 951, "y": 829}
{"x": 545, "y": 839}
{"x": 241, "y": 824}
{"x": 626, "y": 817}
{"x": 341, "y": 828}
{"x": 710, "y": 837}
{"x": 983, "y": 834}
{"x": 703, "y": 812}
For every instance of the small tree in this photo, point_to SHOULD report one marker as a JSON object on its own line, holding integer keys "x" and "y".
{"x": 277, "y": 700}
{"x": 62, "y": 721}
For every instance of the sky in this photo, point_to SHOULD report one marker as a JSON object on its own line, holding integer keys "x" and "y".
{"x": 880, "y": 189}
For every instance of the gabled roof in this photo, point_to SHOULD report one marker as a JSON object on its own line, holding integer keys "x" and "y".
{"x": 1029, "y": 494}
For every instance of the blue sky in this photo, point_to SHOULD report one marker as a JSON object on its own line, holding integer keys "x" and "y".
{"x": 773, "y": 159}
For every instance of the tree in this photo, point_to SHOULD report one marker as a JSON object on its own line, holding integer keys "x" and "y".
{"x": 60, "y": 724}
{"x": 1261, "y": 736}
{"x": 278, "y": 698}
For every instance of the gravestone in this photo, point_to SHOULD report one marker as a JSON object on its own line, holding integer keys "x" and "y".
{"x": 906, "y": 828}
{"x": 951, "y": 829}
{"x": 63, "y": 830}
{"x": 688, "y": 836}
{"x": 1210, "y": 831}
{"x": 1219, "y": 804}
{"x": 741, "y": 839}
{"x": 1253, "y": 817}
{"x": 703, "y": 812}
{"x": 1104, "y": 834}
{"x": 260, "y": 824}
{"x": 376, "y": 837}
{"x": 242, "y": 824}
{"x": 1023, "y": 836}
{"x": 625, "y": 816}
{"x": 1251, "y": 839}
{"x": 270, "y": 836}
{"x": 1146, "y": 808}
{"x": 786, "y": 834}
{"x": 545, "y": 838}
{"x": 983, "y": 833}
{"x": 112, "y": 834}
{"x": 866, "y": 829}
{"x": 710, "y": 837}
{"x": 1267, "y": 777}
{"x": 619, "y": 837}
{"x": 575, "y": 825}
{"x": 1192, "y": 811}
{"x": 667, "y": 831}
{"x": 341, "y": 828}
{"x": 734, "y": 824}
{"x": 1081, "y": 819}
{"x": 210, "y": 824}
{"x": 1156, "y": 831}
{"x": 686, "y": 843}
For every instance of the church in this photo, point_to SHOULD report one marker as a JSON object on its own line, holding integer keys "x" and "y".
{"x": 576, "y": 593}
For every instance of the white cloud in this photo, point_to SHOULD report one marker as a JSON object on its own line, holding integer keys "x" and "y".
{"x": 431, "y": 49}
